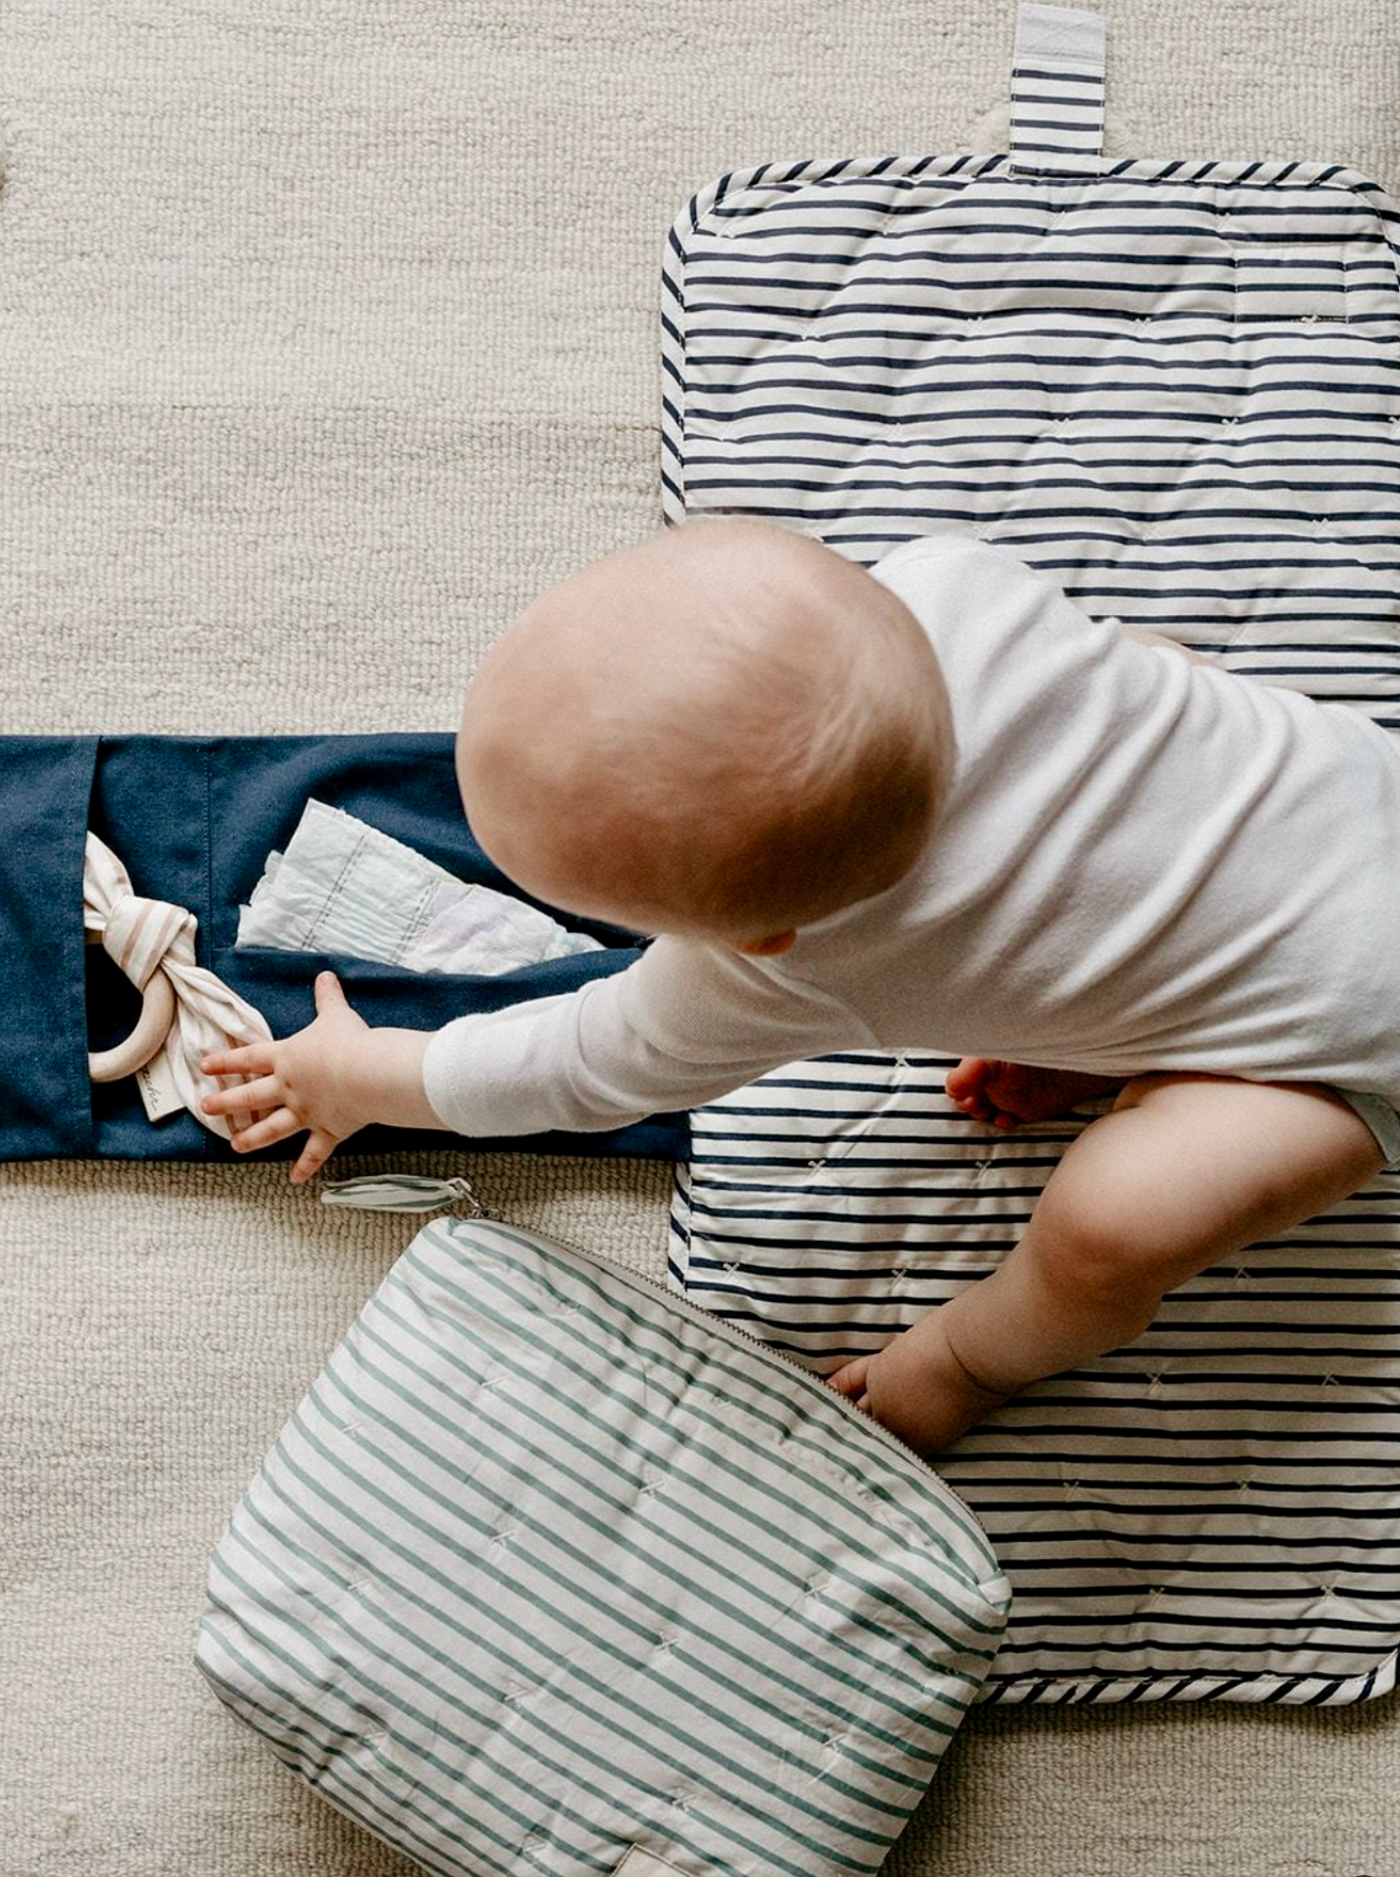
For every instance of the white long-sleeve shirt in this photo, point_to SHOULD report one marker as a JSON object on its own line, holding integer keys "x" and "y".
{"x": 1144, "y": 864}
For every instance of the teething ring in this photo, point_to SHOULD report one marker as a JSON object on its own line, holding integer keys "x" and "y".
{"x": 152, "y": 1028}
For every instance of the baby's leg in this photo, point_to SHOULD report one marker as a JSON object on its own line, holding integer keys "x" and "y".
{"x": 1183, "y": 1171}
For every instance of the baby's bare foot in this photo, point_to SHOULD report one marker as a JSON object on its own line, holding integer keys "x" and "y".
{"x": 916, "y": 1387}
{"x": 1004, "y": 1094}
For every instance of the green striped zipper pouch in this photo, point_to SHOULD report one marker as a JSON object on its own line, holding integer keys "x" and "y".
{"x": 550, "y": 1572}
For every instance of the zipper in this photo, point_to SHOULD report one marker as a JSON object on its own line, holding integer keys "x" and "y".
{"x": 421, "y": 1194}
{"x": 788, "y": 1363}
{"x": 993, "y": 1585}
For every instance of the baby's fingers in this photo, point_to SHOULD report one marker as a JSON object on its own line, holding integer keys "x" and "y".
{"x": 250, "y": 1059}
{"x": 259, "y": 1097}
{"x": 314, "y": 1155}
{"x": 267, "y": 1131}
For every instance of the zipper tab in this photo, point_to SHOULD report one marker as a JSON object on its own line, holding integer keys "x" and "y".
{"x": 403, "y": 1192}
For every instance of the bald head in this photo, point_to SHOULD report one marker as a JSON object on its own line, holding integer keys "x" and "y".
{"x": 729, "y": 730}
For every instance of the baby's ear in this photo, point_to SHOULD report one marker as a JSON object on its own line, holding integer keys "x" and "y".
{"x": 768, "y": 947}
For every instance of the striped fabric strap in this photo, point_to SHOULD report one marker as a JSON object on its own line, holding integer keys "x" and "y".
{"x": 143, "y": 935}
{"x": 402, "y": 1192}
{"x": 1057, "y": 90}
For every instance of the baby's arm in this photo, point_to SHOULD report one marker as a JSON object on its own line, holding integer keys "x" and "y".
{"x": 683, "y": 1024}
{"x": 1184, "y": 1171}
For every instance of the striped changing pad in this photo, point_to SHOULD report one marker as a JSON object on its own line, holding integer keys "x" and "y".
{"x": 1176, "y": 388}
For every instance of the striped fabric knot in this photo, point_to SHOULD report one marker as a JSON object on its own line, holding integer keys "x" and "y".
{"x": 142, "y": 935}
{"x": 136, "y": 933}
{"x": 1057, "y": 90}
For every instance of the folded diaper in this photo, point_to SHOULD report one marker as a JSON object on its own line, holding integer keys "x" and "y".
{"x": 343, "y": 886}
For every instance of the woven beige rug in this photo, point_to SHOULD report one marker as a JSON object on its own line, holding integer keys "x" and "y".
{"x": 328, "y": 337}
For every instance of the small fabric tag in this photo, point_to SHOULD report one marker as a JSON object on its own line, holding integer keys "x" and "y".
{"x": 1073, "y": 36}
{"x": 159, "y": 1095}
{"x": 640, "y": 1863}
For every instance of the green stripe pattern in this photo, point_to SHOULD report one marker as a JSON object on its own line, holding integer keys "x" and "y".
{"x": 549, "y": 1564}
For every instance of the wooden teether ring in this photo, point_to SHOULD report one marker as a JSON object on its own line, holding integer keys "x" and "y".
{"x": 152, "y": 1028}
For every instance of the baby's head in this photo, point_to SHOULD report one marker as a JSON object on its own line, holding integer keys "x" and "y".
{"x": 729, "y": 731}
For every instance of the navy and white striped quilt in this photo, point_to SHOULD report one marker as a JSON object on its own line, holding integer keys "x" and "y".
{"x": 1175, "y": 387}
{"x": 1211, "y": 1511}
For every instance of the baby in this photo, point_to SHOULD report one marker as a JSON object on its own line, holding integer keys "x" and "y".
{"x": 935, "y": 805}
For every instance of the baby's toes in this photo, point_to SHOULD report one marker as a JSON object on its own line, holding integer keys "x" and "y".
{"x": 849, "y": 1379}
{"x": 967, "y": 1079}
{"x": 969, "y": 1087}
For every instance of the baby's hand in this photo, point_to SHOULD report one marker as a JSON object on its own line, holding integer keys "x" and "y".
{"x": 332, "y": 1078}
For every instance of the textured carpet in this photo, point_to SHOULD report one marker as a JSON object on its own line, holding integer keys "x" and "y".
{"x": 327, "y": 337}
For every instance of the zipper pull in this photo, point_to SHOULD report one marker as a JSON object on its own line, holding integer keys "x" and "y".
{"x": 402, "y": 1192}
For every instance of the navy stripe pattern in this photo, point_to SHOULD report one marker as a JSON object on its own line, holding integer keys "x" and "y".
{"x": 547, "y": 1566}
{"x": 1174, "y": 387}
{"x": 1209, "y": 1512}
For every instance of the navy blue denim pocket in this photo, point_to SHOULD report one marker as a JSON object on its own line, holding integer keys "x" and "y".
{"x": 193, "y": 820}
{"x": 45, "y": 786}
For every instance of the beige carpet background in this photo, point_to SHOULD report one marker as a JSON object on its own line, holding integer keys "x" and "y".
{"x": 327, "y": 337}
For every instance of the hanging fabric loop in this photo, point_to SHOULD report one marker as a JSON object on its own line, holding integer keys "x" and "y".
{"x": 1057, "y": 85}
